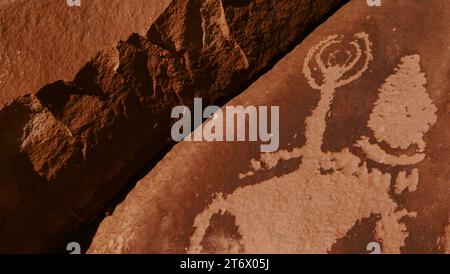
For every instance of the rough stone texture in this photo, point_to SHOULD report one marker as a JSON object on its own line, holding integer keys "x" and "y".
{"x": 3, "y": 2}
{"x": 45, "y": 41}
{"x": 68, "y": 149}
{"x": 364, "y": 151}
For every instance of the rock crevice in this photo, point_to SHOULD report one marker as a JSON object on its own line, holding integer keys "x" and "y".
{"x": 69, "y": 148}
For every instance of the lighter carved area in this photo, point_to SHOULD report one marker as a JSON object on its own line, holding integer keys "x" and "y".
{"x": 375, "y": 153}
{"x": 390, "y": 231}
{"x": 303, "y": 212}
{"x": 404, "y": 181}
{"x": 404, "y": 111}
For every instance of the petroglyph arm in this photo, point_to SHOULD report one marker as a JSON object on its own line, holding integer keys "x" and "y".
{"x": 375, "y": 153}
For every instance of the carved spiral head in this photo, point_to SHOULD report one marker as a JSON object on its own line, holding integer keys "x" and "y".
{"x": 335, "y": 63}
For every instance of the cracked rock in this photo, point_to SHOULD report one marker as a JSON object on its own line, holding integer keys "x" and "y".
{"x": 69, "y": 148}
{"x": 362, "y": 83}
{"x": 45, "y": 41}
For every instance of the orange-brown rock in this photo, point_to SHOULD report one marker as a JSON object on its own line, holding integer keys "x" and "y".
{"x": 68, "y": 149}
{"x": 364, "y": 151}
{"x": 47, "y": 40}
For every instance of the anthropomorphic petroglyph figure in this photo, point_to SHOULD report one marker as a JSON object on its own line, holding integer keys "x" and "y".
{"x": 307, "y": 210}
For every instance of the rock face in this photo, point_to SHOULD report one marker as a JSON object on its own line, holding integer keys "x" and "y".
{"x": 68, "y": 149}
{"x": 364, "y": 151}
{"x": 45, "y": 41}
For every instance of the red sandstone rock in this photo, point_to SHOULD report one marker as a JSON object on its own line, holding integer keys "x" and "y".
{"x": 67, "y": 150}
{"x": 364, "y": 151}
{"x": 45, "y": 41}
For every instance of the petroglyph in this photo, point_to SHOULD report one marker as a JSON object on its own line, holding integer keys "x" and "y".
{"x": 403, "y": 112}
{"x": 306, "y": 211}
{"x": 292, "y": 213}
{"x": 375, "y": 153}
{"x": 391, "y": 232}
{"x": 405, "y": 181}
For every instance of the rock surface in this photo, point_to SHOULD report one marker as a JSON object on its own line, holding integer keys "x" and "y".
{"x": 364, "y": 151}
{"x": 46, "y": 41}
{"x": 68, "y": 149}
